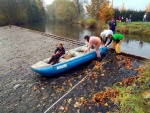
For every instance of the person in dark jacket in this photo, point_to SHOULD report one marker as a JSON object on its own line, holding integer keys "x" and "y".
{"x": 112, "y": 25}
{"x": 58, "y": 53}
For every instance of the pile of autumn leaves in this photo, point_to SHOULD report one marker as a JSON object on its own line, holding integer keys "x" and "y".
{"x": 131, "y": 94}
{"x": 112, "y": 93}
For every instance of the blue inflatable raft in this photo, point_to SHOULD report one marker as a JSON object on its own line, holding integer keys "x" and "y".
{"x": 76, "y": 57}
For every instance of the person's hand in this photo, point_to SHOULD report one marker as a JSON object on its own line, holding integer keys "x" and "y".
{"x": 85, "y": 51}
{"x": 117, "y": 41}
{"x": 57, "y": 52}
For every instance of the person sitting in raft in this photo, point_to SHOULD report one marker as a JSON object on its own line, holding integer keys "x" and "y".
{"x": 93, "y": 41}
{"x": 117, "y": 40}
{"x": 58, "y": 53}
{"x": 104, "y": 36}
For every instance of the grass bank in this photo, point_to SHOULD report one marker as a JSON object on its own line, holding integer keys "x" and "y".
{"x": 134, "y": 92}
{"x": 134, "y": 28}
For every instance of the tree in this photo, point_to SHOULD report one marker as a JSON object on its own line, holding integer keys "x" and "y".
{"x": 64, "y": 11}
{"x": 78, "y": 7}
{"x": 94, "y": 7}
{"x": 147, "y": 8}
{"x": 122, "y": 8}
{"x": 106, "y": 12}
{"x": 21, "y": 11}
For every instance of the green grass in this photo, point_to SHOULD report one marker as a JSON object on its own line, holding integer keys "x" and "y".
{"x": 138, "y": 28}
{"x": 134, "y": 30}
{"x": 131, "y": 99}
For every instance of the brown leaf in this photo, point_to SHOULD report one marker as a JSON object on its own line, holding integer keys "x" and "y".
{"x": 146, "y": 95}
{"x": 35, "y": 88}
{"x": 66, "y": 108}
{"x": 106, "y": 104}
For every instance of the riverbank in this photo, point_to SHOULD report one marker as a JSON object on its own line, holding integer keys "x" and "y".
{"x": 133, "y": 28}
{"x": 22, "y": 90}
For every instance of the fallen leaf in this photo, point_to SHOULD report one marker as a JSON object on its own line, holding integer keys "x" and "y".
{"x": 146, "y": 95}
{"x": 77, "y": 104}
{"x": 103, "y": 74}
{"x": 69, "y": 100}
{"x": 66, "y": 108}
{"x": 120, "y": 83}
{"x": 61, "y": 108}
{"x": 35, "y": 88}
{"x": 106, "y": 104}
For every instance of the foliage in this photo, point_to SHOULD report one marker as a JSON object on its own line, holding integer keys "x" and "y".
{"x": 79, "y": 8}
{"x": 148, "y": 8}
{"x": 21, "y": 11}
{"x": 35, "y": 11}
{"x": 91, "y": 23}
{"x": 135, "y": 98}
{"x": 106, "y": 12}
{"x": 64, "y": 11}
{"x": 94, "y": 7}
{"x": 122, "y": 8}
{"x": 136, "y": 15}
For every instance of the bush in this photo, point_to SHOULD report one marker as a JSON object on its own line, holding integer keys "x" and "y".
{"x": 91, "y": 23}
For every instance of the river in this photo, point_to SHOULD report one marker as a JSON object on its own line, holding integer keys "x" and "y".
{"x": 136, "y": 45}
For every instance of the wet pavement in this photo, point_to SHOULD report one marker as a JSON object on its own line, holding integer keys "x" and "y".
{"x": 23, "y": 91}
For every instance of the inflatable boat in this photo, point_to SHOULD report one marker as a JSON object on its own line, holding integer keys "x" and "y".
{"x": 76, "y": 57}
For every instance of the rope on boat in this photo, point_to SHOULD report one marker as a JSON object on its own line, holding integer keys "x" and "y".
{"x": 72, "y": 88}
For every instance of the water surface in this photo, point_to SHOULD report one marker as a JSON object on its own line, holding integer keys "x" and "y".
{"x": 137, "y": 45}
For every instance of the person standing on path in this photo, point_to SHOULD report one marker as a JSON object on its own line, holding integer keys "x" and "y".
{"x": 129, "y": 18}
{"x": 144, "y": 17}
{"x": 112, "y": 25}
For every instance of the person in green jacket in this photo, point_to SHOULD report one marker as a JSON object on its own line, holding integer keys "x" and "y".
{"x": 117, "y": 40}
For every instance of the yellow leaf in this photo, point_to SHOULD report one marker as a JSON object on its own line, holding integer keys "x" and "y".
{"x": 120, "y": 83}
{"x": 103, "y": 74}
{"x": 106, "y": 104}
{"x": 134, "y": 85}
{"x": 77, "y": 104}
{"x": 146, "y": 95}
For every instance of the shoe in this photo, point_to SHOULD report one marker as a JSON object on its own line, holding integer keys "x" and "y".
{"x": 118, "y": 53}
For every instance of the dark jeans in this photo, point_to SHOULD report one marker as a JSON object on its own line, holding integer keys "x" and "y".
{"x": 55, "y": 59}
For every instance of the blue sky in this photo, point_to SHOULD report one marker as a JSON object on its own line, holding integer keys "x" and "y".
{"x": 129, "y": 4}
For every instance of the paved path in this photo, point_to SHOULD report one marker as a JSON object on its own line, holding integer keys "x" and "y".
{"x": 23, "y": 91}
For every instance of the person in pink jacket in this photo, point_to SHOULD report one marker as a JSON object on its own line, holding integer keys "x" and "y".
{"x": 93, "y": 41}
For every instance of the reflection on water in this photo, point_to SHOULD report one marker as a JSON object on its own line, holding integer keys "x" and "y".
{"x": 132, "y": 44}
{"x": 135, "y": 47}
{"x": 76, "y": 32}
{"x": 36, "y": 26}
{"x": 141, "y": 44}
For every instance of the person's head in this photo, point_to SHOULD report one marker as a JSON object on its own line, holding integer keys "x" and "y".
{"x": 110, "y": 36}
{"x": 113, "y": 20}
{"x": 60, "y": 45}
{"x": 87, "y": 38}
{"x": 109, "y": 32}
